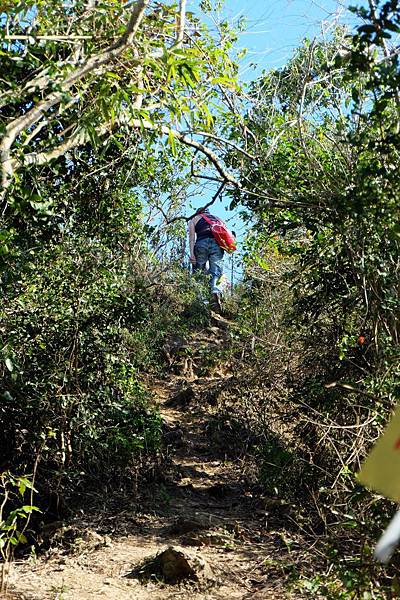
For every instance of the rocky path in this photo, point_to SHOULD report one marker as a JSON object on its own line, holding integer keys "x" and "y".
{"x": 202, "y": 508}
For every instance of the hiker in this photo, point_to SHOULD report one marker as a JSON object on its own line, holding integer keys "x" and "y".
{"x": 203, "y": 249}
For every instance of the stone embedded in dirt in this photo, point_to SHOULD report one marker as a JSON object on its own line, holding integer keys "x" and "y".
{"x": 172, "y": 435}
{"x": 219, "y": 321}
{"x": 173, "y": 565}
{"x": 220, "y": 490}
{"x": 89, "y": 539}
{"x": 209, "y": 538}
{"x": 182, "y": 398}
{"x": 184, "y": 525}
{"x": 173, "y": 347}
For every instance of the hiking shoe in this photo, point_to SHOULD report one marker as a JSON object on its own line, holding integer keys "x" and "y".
{"x": 217, "y": 304}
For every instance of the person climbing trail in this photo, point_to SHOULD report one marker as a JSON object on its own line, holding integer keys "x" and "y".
{"x": 208, "y": 239}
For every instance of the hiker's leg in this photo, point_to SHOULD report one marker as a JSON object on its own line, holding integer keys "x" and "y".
{"x": 201, "y": 254}
{"x": 215, "y": 257}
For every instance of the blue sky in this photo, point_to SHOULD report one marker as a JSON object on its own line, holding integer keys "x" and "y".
{"x": 273, "y": 30}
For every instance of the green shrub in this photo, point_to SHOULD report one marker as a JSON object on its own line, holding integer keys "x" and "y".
{"x": 71, "y": 387}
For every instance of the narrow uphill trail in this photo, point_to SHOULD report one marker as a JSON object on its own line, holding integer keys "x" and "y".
{"x": 201, "y": 506}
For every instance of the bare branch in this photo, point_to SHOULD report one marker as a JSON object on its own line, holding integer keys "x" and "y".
{"x": 190, "y": 217}
{"x": 349, "y": 388}
{"x": 188, "y": 141}
{"x": 57, "y": 38}
{"x": 39, "y": 158}
{"x": 280, "y": 202}
{"x": 38, "y": 82}
{"x": 97, "y": 62}
{"x": 181, "y": 23}
{"x": 77, "y": 139}
{"x": 226, "y": 142}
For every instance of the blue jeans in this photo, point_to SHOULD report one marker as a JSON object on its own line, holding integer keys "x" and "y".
{"x": 205, "y": 250}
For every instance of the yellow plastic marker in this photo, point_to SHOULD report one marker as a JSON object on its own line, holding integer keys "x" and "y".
{"x": 381, "y": 469}
{"x": 381, "y": 472}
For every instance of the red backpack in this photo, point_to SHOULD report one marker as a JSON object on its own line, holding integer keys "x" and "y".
{"x": 221, "y": 233}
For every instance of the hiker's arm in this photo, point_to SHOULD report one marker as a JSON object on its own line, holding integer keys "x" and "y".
{"x": 192, "y": 241}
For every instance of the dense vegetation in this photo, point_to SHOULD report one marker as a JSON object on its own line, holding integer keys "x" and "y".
{"x": 107, "y": 126}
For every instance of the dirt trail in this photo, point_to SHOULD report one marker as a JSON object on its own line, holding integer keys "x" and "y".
{"x": 203, "y": 505}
